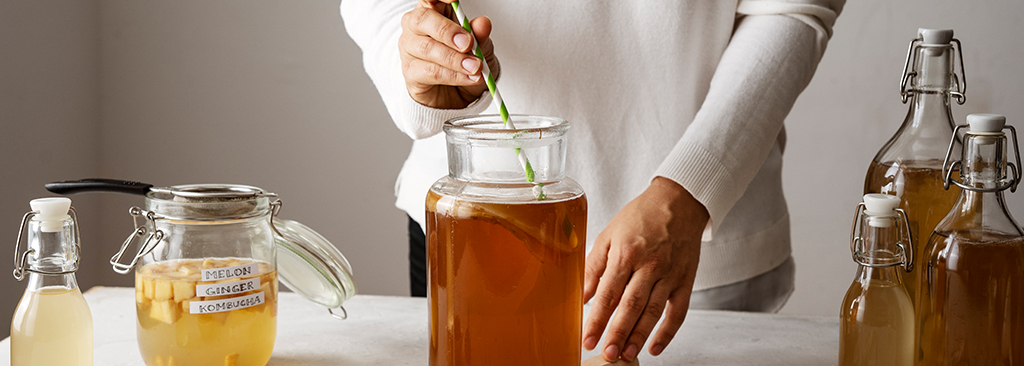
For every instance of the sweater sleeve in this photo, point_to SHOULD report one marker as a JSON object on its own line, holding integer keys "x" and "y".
{"x": 375, "y": 26}
{"x": 770, "y": 59}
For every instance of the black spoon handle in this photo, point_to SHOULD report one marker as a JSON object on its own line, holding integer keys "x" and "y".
{"x": 98, "y": 185}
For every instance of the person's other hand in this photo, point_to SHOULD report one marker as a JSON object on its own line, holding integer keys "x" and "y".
{"x": 438, "y": 64}
{"x": 644, "y": 264}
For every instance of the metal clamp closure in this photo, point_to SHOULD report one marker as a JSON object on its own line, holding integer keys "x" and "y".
{"x": 140, "y": 231}
{"x": 1011, "y": 181}
{"x": 905, "y": 252}
{"x": 959, "y": 82}
{"x": 21, "y": 259}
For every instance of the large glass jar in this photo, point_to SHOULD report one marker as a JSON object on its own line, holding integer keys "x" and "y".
{"x": 506, "y": 255}
{"x": 206, "y": 273}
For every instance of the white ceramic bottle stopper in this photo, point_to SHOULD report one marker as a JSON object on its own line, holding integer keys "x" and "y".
{"x": 879, "y": 208}
{"x": 51, "y": 211}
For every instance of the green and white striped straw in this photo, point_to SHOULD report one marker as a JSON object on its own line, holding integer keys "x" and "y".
{"x": 493, "y": 88}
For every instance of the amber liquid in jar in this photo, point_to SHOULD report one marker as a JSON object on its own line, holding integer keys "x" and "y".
{"x": 919, "y": 185}
{"x": 505, "y": 281}
{"x": 170, "y": 334}
{"x": 972, "y": 309}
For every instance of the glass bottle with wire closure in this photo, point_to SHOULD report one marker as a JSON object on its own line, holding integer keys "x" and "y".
{"x": 52, "y": 324}
{"x": 877, "y": 318}
{"x": 909, "y": 165}
{"x": 971, "y": 309}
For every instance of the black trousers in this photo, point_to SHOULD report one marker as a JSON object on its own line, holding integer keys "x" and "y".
{"x": 417, "y": 260}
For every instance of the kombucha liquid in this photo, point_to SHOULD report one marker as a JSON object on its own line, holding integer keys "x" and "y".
{"x": 876, "y": 324}
{"x": 505, "y": 281}
{"x": 169, "y": 334}
{"x": 972, "y": 309}
{"x": 919, "y": 185}
{"x": 52, "y": 326}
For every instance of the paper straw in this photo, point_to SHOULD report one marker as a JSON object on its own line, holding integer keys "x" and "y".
{"x": 493, "y": 88}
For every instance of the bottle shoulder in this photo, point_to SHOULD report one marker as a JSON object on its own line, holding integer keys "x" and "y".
{"x": 510, "y": 192}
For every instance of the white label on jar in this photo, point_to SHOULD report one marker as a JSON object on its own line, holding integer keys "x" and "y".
{"x": 223, "y": 273}
{"x": 217, "y": 306}
{"x": 228, "y": 288}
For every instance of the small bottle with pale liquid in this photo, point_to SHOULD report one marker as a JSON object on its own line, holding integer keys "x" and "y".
{"x": 52, "y": 324}
{"x": 877, "y": 318}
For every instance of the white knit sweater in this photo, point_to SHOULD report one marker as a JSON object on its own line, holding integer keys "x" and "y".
{"x": 692, "y": 90}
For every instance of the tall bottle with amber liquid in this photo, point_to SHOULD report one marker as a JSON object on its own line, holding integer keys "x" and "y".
{"x": 971, "y": 308}
{"x": 877, "y": 318}
{"x": 909, "y": 165}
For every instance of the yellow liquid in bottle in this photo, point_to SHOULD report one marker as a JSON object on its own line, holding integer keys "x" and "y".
{"x": 876, "y": 324}
{"x": 972, "y": 309}
{"x": 169, "y": 334}
{"x": 52, "y": 326}
{"x": 919, "y": 185}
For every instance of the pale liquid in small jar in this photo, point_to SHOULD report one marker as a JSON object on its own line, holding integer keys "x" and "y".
{"x": 919, "y": 185}
{"x": 876, "y": 325}
{"x": 169, "y": 334}
{"x": 52, "y": 326}
{"x": 972, "y": 308}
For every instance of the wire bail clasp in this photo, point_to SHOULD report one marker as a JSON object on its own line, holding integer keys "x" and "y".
{"x": 1011, "y": 181}
{"x": 905, "y": 252}
{"x": 148, "y": 218}
{"x": 21, "y": 259}
{"x": 959, "y": 81}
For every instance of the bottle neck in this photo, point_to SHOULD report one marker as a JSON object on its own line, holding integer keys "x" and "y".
{"x": 931, "y": 86}
{"x": 977, "y": 211}
{"x": 879, "y": 238}
{"x": 888, "y": 274}
{"x": 38, "y": 281}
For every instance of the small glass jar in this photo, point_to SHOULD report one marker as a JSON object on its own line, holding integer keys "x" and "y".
{"x": 506, "y": 255}
{"x": 206, "y": 273}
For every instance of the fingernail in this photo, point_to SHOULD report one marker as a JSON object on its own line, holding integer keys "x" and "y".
{"x": 630, "y": 353}
{"x": 471, "y": 64}
{"x": 474, "y": 78}
{"x": 611, "y": 352}
{"x": 590, "y": 343}
{"x": 656, "y": 350}
{"x": 461, "y": 41}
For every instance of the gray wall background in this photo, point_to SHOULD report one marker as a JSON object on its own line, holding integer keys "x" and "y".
{"x": 273, "y": 94}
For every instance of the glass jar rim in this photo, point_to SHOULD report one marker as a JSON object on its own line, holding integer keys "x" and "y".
{"x": 209, "y": 202}
{"x": 491, "y": 127}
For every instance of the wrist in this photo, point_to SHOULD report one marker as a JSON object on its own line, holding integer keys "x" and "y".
{"x": 679, "y": 199}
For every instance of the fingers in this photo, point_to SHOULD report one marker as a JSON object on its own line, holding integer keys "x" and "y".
{"x": 427, "y": 22}
{"x": 678, "y": 304}
{"x": 651, "y": 314}
{"x": 596, "y": 262}
{"x": 609, "y": 291}
{"x": 632, "y": 306}
{"x": 425, "y": 74}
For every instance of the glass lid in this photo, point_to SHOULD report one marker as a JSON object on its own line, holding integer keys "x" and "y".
{"x": 310, "y": 265}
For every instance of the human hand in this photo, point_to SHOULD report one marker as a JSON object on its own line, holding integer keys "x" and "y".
{"x": 644, "y": 264}
{"x": 438, "y": 64}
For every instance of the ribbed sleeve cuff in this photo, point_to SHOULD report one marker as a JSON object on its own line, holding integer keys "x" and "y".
{"x": 421, "y": 121}
{"x": 704, "y": 177}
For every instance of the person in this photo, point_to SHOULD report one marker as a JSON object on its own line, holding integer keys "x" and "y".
{"x": 677, "y": 112}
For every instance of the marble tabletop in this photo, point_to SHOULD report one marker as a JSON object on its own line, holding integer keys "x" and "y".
{"x": 386, "y": 330}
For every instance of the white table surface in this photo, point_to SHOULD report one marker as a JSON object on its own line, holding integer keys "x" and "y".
{"x": 385, "y": 330}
